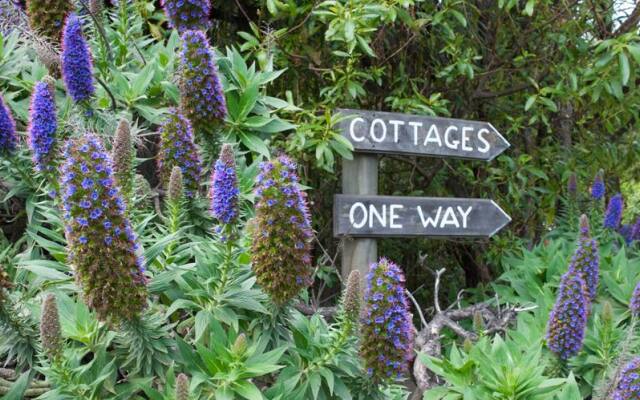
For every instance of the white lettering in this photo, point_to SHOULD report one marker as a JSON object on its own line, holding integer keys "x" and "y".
{"x": 396, "y": 124}
{"x": 415, "y": 126}
{"x": 433, "y": 136}
{"x": 352, "y": 132}
{"x": 393, "y": 216}
{"x": 352, "y": 212}
{"x": 428, "y": 220}
{"x": 487, "y": 146}
{"x": 449, "y": 143}
{"x": 465, "y": 138}
{"x": 372, "y": 130}
{"x": 465, "y": 215}
{"x": 381, "y": 218}
{"x": 449, "y": 218}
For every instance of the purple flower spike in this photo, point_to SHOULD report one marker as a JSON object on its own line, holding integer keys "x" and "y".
{"x": 186, "y": 15}
{"x": 43, "y": 124}
{"x": 77, "y": 67}
{"x": 103, "y": 248}
{"x": 387, "y": 331}
{"x": 628, "y": 386}
{"x": 281, "y": 230}
{"x": 178, "y": 149}
{"x": 586, "y": 259}
{"x": 597, "y": 189}
{"x": 224, "y": 187}
{"x": 613, "y": 215}
{"x": 634, "y": 304}
{"x": 201, "y": 94}
{"x": 568, "y": 318}
{"x": 8, "y": 139}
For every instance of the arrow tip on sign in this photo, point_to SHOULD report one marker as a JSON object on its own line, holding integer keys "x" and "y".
{"x": 505, "y": 143}
{"x": 501, "y": 213}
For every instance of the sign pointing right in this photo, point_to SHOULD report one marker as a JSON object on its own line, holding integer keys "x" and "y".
{"x": 394, "y": 133}
{"x": 399, "y": 216}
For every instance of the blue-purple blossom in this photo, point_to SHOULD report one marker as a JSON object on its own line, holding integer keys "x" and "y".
{"x": 387, "y": 332}
{"x": 634, "y": 303}
{"x": 628, "y": 385}
{"x": 586, "y": 259}
{"x": 281, "y": 249}
{"x": 613, "y": 215}
{"x": 598, "y": 189}
{"x": 177, "y": 148}
{"x": 201, "y": 94}
{"x": 568, "y": 318}
{"x": 103, "y": 248}
{"x": 8, "y": 137}
{"x": 43, "y": 124}
{"x": 77, "y": 67}
{"x": 186, "y": 15}
{"x": 635, "y": 230}
{"x": 224, "y": 187}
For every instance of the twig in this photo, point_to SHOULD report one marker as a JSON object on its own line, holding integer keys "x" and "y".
{"x": 101, "y": 31}
{"x": 415, "y": 303}
{"x": 106, "y": 88}
{"x": 436, "y": 301}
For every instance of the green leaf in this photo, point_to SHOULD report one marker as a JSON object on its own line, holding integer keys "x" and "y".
{"x": 254, "y": 143}
{"x": 625, "y": 71}
{"x": 18, "y": 388}
{"x": 248, "y": 390}
{"x": 530, "y": 101}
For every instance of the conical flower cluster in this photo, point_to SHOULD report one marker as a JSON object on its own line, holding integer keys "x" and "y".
{"x": 103, "y": 248}
{"x": 387, "y": 332}
{"x": 282, "y": 232}
{"x": 50, "y": 332}
{"x": 185, "y": 15}
{"x": 8, "y": 137}
{"x": 634, "y": 304}
{"x": 47, "y": 17}
{"x": 597, "y": 189}
{"x": 224, "y": 187}
{"x": 201, "y": 94}
{"x": 613, "y": 215}
{"x": 77, "y": 67}
{"x": 352, "y": 300}
{"x": 177, "y": 148}
{"x": 5, "y": 284}
{"x": 572, "y": 185}
{"x": 174, "y": 192}
{"x": 568, "y": 318}
{"x": 43, "y": 124}
{"x": 122, "y": 155}
{"x": 586, "y": 259}
{"x": 182, "y": 387}
{"x": 628, "y": 386}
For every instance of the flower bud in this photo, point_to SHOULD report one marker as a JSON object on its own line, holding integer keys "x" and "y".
{"x": 613, "y": 215}
{"x": 182, "y": 387}
{"x": 50, "y": 335}
{"x": 122, "y": 155}
{"x": 175, "y": 185}
{"x": 352, "y": 297}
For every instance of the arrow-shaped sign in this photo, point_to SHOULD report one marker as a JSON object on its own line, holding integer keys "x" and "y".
{"x": 393, "y": 133}
{"x": 398, "y": 216}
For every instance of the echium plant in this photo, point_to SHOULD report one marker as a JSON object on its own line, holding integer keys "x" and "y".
{"x": 281, "y": 231}
{"x": 50, "y": 336}
{"x": 613, "y": 215}
{"x": 586, "y": 259}
{"x": 122, "y": 156}
{"x": 628, "y": 385}
{"x": 103, "y": 248}
{"x": 177, "y": 148}
{"x": 43, "y": 124}
{"x": 634, "y": 302}
{"x": 77, "y": 66}
{"x": 201, "y": 94}
{"x": 598, "y": 188}
{"x": 568, "y": 318}
{"x": 47, "y": 17}
{"x": 8, "y": 137}
{"x": 224, "y": 187}
{"x": 182, "y": 387}
{"x": 572, "y": 185}
{"x": 185, "y": 15}
{"x": 386, "y": 331}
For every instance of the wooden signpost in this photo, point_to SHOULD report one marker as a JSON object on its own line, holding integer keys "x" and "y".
{"x": 361, "y": 216}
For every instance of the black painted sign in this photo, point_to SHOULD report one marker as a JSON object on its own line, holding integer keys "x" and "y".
{"x": 394, "y": 133}
{"x": 398, "y": 216}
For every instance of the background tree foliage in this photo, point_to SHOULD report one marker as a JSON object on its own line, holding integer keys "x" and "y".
{"x": 557, "y": 78}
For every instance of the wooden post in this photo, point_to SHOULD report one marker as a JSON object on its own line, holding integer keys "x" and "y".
{"x": 359, "y": 176}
